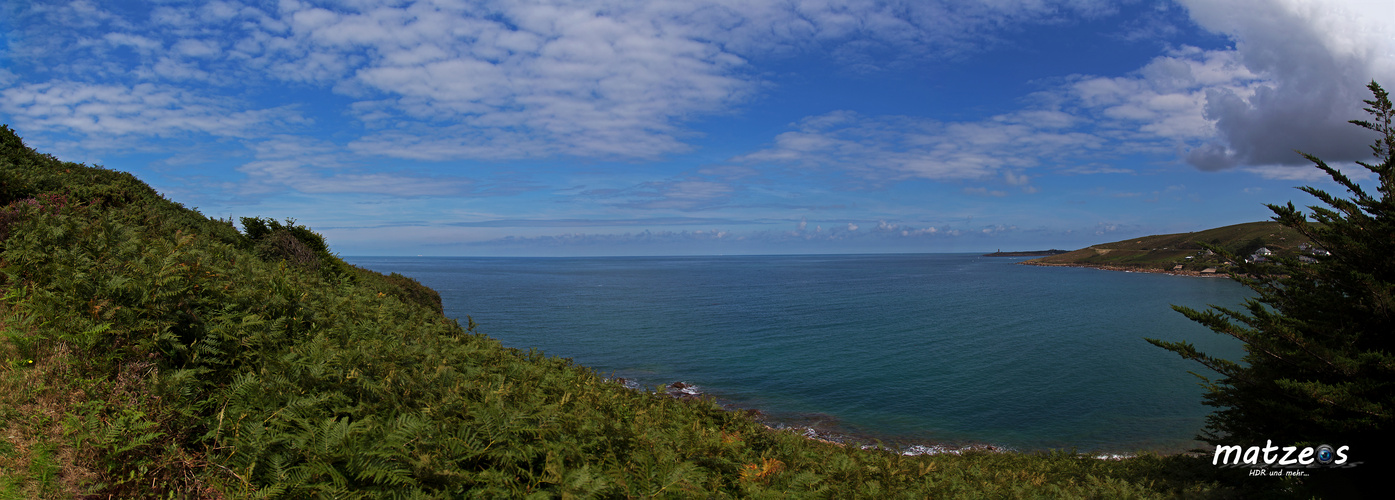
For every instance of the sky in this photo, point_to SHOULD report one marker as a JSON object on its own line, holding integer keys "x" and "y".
{"x": 706, "y": 127}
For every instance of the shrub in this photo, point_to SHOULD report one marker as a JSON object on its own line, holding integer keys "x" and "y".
{"x": 1320, "y": 335}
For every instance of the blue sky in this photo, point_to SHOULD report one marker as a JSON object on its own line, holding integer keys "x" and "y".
{"x": 560, "y": 128}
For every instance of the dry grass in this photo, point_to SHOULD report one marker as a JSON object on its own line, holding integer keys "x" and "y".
{"x": 37, "y": 458}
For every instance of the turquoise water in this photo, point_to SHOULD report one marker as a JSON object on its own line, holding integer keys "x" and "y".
{"x": 931, "y": 348}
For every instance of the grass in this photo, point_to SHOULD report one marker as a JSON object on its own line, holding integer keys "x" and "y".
{"x": 36, "y": 460}
{"x": 175, "y": 356}
{"x": 1164, "y": 252}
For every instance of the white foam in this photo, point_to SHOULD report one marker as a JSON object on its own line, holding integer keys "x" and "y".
{"x": 1113, "y": 456}
{"x": 915, "y": 450}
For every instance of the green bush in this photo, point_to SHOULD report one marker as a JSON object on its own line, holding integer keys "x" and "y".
{"x": 1320, "y": 362}
{"x": 200, "y": 361}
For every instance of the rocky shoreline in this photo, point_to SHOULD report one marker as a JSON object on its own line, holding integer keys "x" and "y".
{"x": 1130, "y": 269}
{"x": 826, "y": 432}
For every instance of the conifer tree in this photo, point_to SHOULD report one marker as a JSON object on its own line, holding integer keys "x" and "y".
{"x": 1319, "y": 367}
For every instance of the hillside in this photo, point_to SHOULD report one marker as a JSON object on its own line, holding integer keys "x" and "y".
{"x": 1165, "y": 253}
{"x": 149, "y": 351}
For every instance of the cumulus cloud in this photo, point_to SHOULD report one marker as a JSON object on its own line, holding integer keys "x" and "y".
{"x": 982, "y": 191}
{"x": 583, "y": 80}
{"x": 437, "y": 80}
{"x": 495, "y": 79}
{"x": 898, "y": 147}
{"x": 1296, "y": 75}
{"x": 612, "y": 240}
{"x": 651, "y": 221}
{"x": 1316, "y": 57}
{"x": 843, "y": 233}
{"x": 1165, "y": 99}
{"x": 318, "y": 167}
{"x": 684, "y": 194}
{"x": 1294, "y": 78}
{"x": 142, "y": 109}
{"x": 609, "y": 79}
{"x": 1309, "y": 175}
{"x": 852, "y": 230}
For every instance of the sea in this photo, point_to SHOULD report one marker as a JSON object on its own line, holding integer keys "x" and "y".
{"x": 914, "y": 351}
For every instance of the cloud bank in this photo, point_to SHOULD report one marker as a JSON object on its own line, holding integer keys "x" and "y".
{"x": 439, "y": 80}
{"x": 1315, "y": 58}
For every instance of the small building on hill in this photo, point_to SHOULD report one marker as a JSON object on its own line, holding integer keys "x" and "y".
{"x": 1261, "y": 255}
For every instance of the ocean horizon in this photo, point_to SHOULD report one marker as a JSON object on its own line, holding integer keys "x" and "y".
{"x": 908, "y": 349}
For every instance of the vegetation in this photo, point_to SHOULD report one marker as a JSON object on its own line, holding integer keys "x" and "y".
{"x": 1319, "y": 367}
{"x": 1189, "y": 250}
{"x": 148, "y": 351}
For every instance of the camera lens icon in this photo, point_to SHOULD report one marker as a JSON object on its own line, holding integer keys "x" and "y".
{"x": 1324, "y": 454}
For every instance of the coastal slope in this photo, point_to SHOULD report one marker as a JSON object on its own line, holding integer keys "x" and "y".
{"x": 149, "y": 351}
{"x": 1183, "y": 253}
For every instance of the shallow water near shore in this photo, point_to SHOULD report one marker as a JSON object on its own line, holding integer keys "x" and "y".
{"x": 911, "y": 349}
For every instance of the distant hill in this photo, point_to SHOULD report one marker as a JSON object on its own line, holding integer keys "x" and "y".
{"x": 1164, "y": 253}
{"x": 1030, "y": 253}
{"x": 148, "y": 351}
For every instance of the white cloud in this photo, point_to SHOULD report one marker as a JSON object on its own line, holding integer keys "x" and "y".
{"x": 621, "y": 78}
{"x": 1109, "y": 227}
{"x": 685, "y": 194}
{"x": 196, "y": 48}
{"x": 511, "y": 80}
{"x": 495, "y": 79}
{"x": 897, "y": 147}
{"x": 142, "y": 109}
{"x": 1166, "y": 99}
{"x": 1090, "y": 169}
{"x": 1315, "y": 57}
{"x": 1294, "y": 79}
{"x": 310, "y": 166}
{"x": 601, "y": 80}
{"x": 135, "y": 41}
{"x": 1309, "y": 173}
{"x": 843, "y": 233}
{"x": 1296, "y": 76}
{"x": 1016, "y": 179}
{"x": 982, "y": 191}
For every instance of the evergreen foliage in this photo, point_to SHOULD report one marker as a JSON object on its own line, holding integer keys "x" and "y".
{"x": 149, "y": 351}
{"x": 1319, "y": 367}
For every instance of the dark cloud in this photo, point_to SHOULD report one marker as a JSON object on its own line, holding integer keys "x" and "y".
{"x": 1269, "y": 127}
{"x": 1316, "y": 60}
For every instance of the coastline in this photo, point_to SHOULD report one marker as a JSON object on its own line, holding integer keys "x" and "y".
{"x": 1129, "y": 269}
{"x": 927, "y": 424}
{"x": 825, "y": 428}
{"x": 1030, "y": 253}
